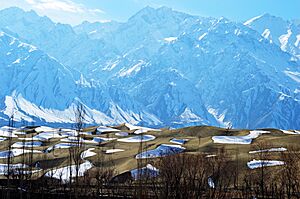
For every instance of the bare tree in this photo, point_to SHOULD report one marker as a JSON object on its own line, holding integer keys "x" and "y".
{"x": 75, "y": 151}
{"x": 10, "y": 154}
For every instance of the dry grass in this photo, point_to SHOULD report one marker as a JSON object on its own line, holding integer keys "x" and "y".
{"x": 199, "y": 142}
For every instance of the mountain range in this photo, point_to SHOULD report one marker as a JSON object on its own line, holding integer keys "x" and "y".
{"x": 160, "y": 68}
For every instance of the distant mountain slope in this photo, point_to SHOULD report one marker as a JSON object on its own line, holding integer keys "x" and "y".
{"x": 35, "y": 87}
{"x": 97, "y": 30}
{"x": 284, "y": 33}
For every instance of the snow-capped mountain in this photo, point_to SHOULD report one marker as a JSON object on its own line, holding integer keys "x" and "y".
{"x": 161, "y": 67}
{"x": 284, "y": 33}
{"x": 37, "y": 88}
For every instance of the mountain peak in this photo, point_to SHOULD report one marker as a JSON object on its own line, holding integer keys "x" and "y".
{"x": 146, "y": 10}
{"x": 266, "y": 17}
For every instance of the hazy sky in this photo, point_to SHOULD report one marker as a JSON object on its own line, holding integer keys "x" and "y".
{"x": 76, "y": 11}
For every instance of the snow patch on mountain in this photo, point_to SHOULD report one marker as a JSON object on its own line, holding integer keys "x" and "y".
{"x": 284, "y": 39}
{"x": 293, "y": 75}
{"x": 252, "y": 20}
{"x": 170, "y": 39}
{"x": 134, "y": 69}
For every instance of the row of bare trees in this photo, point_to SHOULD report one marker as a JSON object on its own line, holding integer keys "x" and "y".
{"x": 198, "y": 176}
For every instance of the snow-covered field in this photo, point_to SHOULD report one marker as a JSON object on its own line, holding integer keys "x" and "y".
{"x": 65, "y": 173}
{"x": 122, "y": 134}
{"x": 281, "y": 149}
{"x": 27, "y": 144}
{"x": 161, "y": 151}
{"x": 247, "y": 139}
{"x": 16, "y": 152}
{"x": 88, "y": 153}
{"x": 254, "y": 164}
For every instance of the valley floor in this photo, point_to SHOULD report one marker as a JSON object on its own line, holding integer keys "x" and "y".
{"x": 139, "y": 162}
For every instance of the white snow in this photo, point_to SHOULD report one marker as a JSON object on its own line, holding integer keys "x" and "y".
{"x": 18, "y": 105}
{"x": 88, "y": 153}
{"x": 297, "y": 41}
{"x": 83, "y": 82}
{"x": 80, "y": 140}
{"x": 121, "y": 134}
{"x": 138, "y": 138}
{"x": 266, "y": 34}
{"x": 219, "y": 117}
{"x": 27, "y": 144}
{"x": 247, "y": 139}
{"x": 139, "y": 129}
{"x": 2, "y": 139}
{"x": 63, "y": 173}
{"x": 188, "y": 116}
{"x": 290, "y": 132}
{"x": 13, "y": 167}
{"x": 293, "y": 75}
{"x": 132, "y": 127}
{"x": 102, "y": 139}
{"x": 17, "y": 61}
{"x": 104, "y": 129}
{"x": 202, "y": 36}
{"x": 45, "y": 129}
{"x": 252, "y": 20}
{"x": 254, "y": 164}
{"x": 211, "y": 155}
{"x": 281, "y": 149}
{"x": 114, "y": 150}
{"x": 48, "y": 135}
{"x": 178, "y": 141}
{"x": 11, "y": 109}
{"x": 5, "y": 133}
{"x": 61, "y": 146}
{"x": 161, "y": 151}
{"x": 211, "y": 183}
{"x": 16, "y": 152}
{"x": 284, "y": 39}
{"x": 136, "y": 68}
{"x": 170, "y": 39}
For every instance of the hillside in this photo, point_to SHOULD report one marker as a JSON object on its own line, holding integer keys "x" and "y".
{"x": 160, "y": 68}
